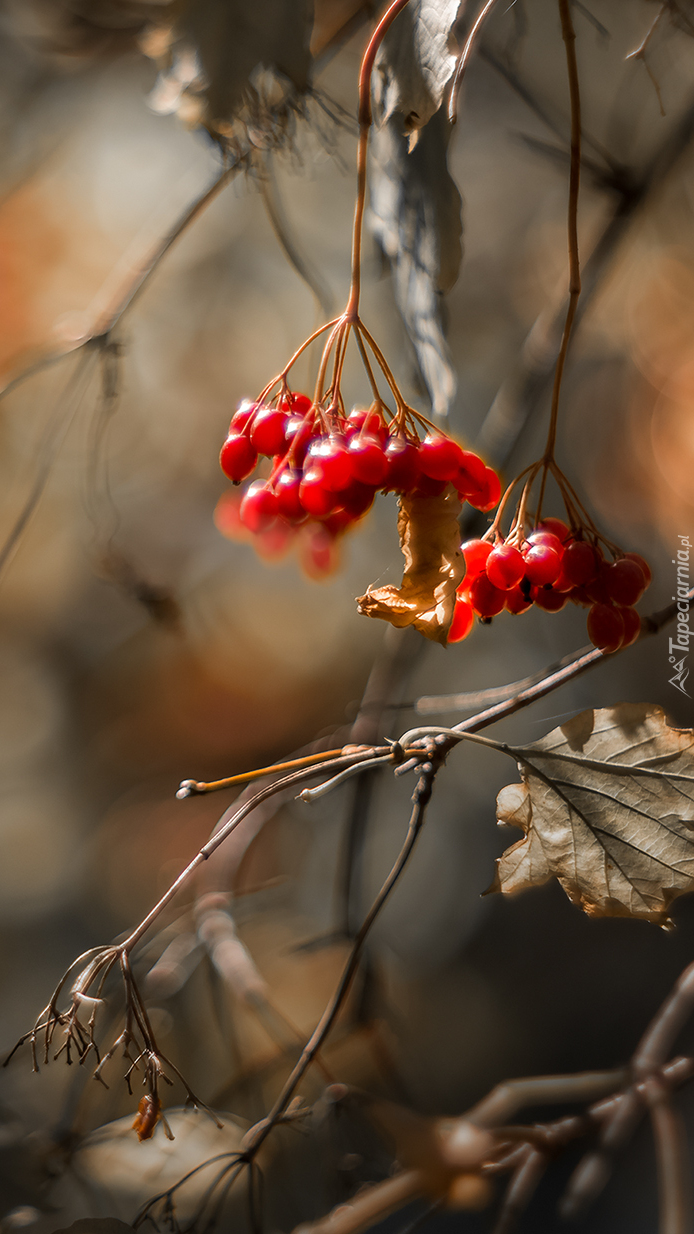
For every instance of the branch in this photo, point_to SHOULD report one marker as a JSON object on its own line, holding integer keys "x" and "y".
{"x": 420, "y": 799}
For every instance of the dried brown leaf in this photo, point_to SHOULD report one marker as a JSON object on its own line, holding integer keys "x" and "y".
{"x": 620, "y": 841}
{"x": 415, "y": 215}
{"x": 434, "y": 567}
{"x": 414, "y": 62}
{"x": 234, "y": 67}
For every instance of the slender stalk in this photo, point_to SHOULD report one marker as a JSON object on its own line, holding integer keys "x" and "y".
{"x": 421, "y": 798}
{"x": 464, "y": 58}
{"x": 569, "y": 37}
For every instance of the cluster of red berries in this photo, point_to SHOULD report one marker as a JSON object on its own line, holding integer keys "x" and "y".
{"x": 328, "y": 467}
{"x": 551, "y": 566}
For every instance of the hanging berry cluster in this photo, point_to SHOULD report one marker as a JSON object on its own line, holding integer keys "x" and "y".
{"x": 552, "y": 564}
{"x": 327, "y": 466}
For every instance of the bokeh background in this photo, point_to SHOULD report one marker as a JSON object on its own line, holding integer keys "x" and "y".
{"x": 140, "y": 646}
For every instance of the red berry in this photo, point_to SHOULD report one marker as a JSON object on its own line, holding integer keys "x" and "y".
{"x": 549, "y": 600}
{"x": 440, "y": 458}
{"x": 259, "y": 507}
{"x": 314, "y": 496}
{"x": 357, "y": 499}
{"x": 330, "y": 455}
{"x": 605, "y": 627}
{"x": 367, "y": 422}
{"x": 476, "y": 553}
{"x": 632, "y": 626}
{"x": 548, "y": 538}
{"x": 505, "y": 566}
{"x": 237, "y": 457}
{"x": 640, "y": 561}
{"x": 624, "y": 581}
{"x": 403, "y": 464}
{"x": 276, "y": 542}
{"x": 542, "y": 564}
{"x": 295, "y": 404}
{"x": 580, "y": 562}
{"x": 557, "y": 526}
{"x": 369, "y": 463}
{"x": 267, "y": 430}
{"x": 471, "y": 476}
{"x": 488, "y": 495}
{"x": 486, "y": 599}
{"x": 288, "y": 501}
{"x": 463, "y": 619}
{"x": 426, "y": 487}
{"x": 517, "y": 602}
{"x": 596, "y": 589}
{"x": 244, "y": 412}
{"x": 338, "y": 522}
{"x": 319, "y": 553}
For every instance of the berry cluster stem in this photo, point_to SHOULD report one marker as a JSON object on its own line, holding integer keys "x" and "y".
{"x": 569, "y": 37}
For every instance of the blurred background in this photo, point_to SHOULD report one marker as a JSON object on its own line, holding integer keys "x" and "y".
{"x": 140, "y": 646}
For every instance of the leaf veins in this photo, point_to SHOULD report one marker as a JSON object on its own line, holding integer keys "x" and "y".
{"x": 607, "y": 806}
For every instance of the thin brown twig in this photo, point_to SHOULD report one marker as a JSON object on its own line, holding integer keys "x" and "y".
{"x": 420, "y": 799}
{"x": 569, "y": 37}
{"x": 464, "y": 58}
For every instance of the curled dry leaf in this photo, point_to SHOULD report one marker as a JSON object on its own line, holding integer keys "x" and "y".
{"x": 415, "y": 63}
{"x": 415, "y": 215}
{"x": 236, "y": 68}
{"x": 607, "y": 806}
{"x": 434, "y": 567}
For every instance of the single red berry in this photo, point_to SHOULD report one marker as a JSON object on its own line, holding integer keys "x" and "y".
{"x": 338, "y": 522}
{"x": 548, "y": 538}
{"x": 486, "y": 599}
{"x": 640, "y": 561}
{"x": 580, "y": 562}
{"x": 557, "y": 526}
{"x": 505, "y": 566}
{"x": 488, "y": 495}
{"x": 426, "y": 487}
{"x": 237, "y": 457}
{"x": 275, "y": 543}
{"x": 357, "y": 499}
{"x": 295, "y": 404}
{"x": 330, "y": 455}
{"x": 268, "y": 429}
{"x": 517, "y": 602}
{"x": 319, "y": 553}
{"x": 596, "y": 589}
{"x": 369, "y": 463}
{"x": 549, "y": 600}
{"x": 367, "y": 422}
{"x": 463, "y": 620}
{"x": 259, "y": 507}
{"x": 605, "y": 627}
{"x": 542, "y": 564}
{"x": 476, "y": 553}
{"x": 286, "y": 487}
{"x": 624, "y": 581}
{"x": 471, "y": 476}
{"x": 632, "y": 626}
{"x": 403, "y": 465}
{"x": 243, "y": 414}
{"x": 440, "y": 458}
{"x": 315, "y": 498}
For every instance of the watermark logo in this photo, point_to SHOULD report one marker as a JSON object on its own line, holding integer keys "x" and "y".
{"x": 680, "y": 644}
